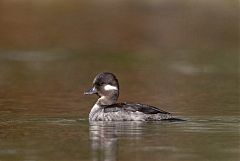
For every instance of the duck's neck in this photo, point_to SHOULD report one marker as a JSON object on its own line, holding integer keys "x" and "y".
{"x": 106, "y": 100}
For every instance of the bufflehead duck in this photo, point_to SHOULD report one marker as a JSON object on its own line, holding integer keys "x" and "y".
{"x": 106, "y": 86}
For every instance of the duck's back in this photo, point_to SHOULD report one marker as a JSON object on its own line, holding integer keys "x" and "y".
{"x": 131, "y": 112}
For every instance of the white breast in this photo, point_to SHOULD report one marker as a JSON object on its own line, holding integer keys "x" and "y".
{"x": 94, "y": 112}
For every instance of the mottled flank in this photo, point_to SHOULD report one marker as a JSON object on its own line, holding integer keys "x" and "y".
{"x": 127, "y": 112}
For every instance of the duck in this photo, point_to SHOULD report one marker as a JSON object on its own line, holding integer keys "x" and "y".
{"x": 106, "y": 86}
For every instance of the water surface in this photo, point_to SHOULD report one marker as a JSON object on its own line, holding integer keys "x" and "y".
{"x": 69, "y": 139}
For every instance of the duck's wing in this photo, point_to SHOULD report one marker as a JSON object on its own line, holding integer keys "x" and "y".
{"x": 146, "y": 109}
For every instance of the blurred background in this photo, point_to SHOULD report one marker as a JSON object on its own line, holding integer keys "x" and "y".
{"x": 184, "y": 54}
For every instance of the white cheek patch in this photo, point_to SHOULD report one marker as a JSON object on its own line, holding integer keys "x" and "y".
{"x": 110, "y": 87}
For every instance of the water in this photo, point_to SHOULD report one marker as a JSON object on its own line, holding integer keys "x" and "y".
{"x": 69, "y": 139}
{"x": 44, "y": 112}
{"x": 180, "y": 56}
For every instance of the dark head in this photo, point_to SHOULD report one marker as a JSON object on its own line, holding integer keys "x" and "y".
{"x": 106, "y": 86}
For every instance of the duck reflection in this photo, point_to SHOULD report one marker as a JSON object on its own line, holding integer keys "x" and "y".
{"x": 104, "y": 136}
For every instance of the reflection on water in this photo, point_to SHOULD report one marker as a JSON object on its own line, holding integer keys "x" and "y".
{"x": 103, "y": 142}
{"x": 104, "y": 137}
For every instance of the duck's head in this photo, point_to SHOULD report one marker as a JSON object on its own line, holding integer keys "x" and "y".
{"x": 106, "y": 86}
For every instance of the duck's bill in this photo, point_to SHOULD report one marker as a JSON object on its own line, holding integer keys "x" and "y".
{"x": 91, "y": 91}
